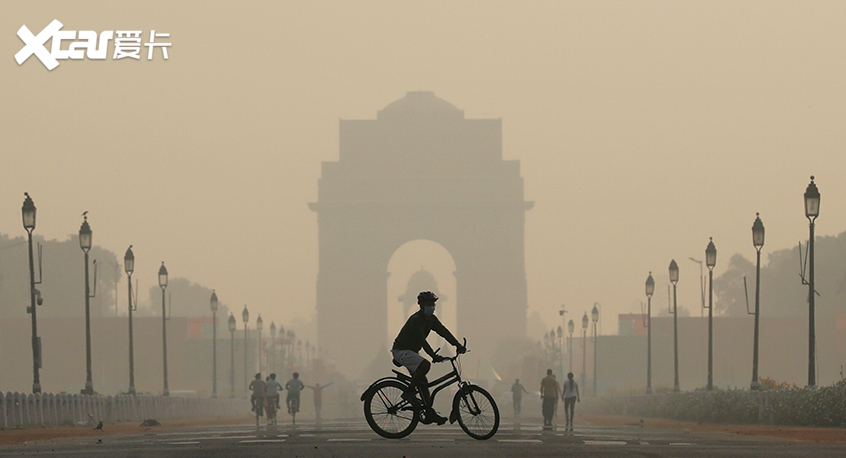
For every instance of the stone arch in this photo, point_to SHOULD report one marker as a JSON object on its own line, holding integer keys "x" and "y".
{"x": 419, "y": 171}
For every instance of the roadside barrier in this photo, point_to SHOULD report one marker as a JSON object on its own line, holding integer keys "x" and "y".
{"x": 54, "y": 409}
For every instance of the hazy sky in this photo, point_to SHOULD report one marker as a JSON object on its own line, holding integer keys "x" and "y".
{"x": 642, "y": 129}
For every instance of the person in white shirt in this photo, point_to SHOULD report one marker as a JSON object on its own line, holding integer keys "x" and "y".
{"x": 570, "y": 397}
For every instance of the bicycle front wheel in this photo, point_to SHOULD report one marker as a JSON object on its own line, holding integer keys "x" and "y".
{"x": 478, "y": 414}
{"x": 387, "y": 413}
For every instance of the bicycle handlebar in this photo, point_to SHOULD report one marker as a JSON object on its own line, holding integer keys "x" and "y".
{"x": 452, "y": 358}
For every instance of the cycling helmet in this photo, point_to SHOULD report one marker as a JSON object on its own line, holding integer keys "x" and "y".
{"x": 426, "y": 296}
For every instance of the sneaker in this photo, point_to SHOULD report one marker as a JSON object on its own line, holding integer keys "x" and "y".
{"x": 431, "y": 414}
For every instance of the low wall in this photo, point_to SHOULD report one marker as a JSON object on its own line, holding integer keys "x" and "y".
{"x": 48, "y": 409}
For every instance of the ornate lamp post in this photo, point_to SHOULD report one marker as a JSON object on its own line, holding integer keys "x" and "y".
{"x": 271, "y": 364}
{"x": 232, "y": 355}
{"x": 129, "y": 267}
{"x": 758, "y": 242}
{"x": 163, "y": 286}
{"x": 584, "y": 349}
{"x": 259, "y": 325}
{"x": 711, "y": 261}
{"x": 650, "y": 290}
{"x": 85, "y": 244}
{"x": 245, "y": 315}
{"x": 594, "y": 315}
{"x": 213, "y": 302}
{"x": 674, "y": 279}
{"x": 571, "y": 326}
{"x": 28, "y": 212}
{"x": 560, "y": 333}
{"x": 812, "y": 210}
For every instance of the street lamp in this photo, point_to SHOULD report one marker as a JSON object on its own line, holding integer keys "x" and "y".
{"x": 272, "y": 366}
{"x": 85, "y": 244}
{"x": 594, "y": 315}
{"x": 674, "y": 278}
{"x": 571, "y": 326}
{"x": 163, "y": 286}
{"x": 129, "y": 267}
{"x": 650, "y": 290}
{"x": 812, "y": 210}
{"x": 711, "y": 261}
{"x": 28, "y": 212}
{"x": 213, "y": 302}
{"x": 584, "y": 349}
{"x": 245, "y": 315}
{"x": 758, "y": 242}
{"x": 232, "y": 355}
{"x": 560, "y": 333}
{"x": 259, "y": 325}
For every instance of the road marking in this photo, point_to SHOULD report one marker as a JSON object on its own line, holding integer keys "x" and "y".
{"x": 605, "y": 442}
{"x": 184, "y": 443}
{"x": 348, "y": 440}
{"x": 521, "y": 441}
{"x": 262, "y": 441}
{"x": 680, "y": 443}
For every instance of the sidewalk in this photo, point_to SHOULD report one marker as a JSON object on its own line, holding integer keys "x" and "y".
{"x": 12, "y": 436}
{"x": 790, "y": 433}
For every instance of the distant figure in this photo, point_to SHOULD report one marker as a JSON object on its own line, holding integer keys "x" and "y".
{"x": 294, "y": 386}
{"x": 517, "y": 391}
{"x": 318, "y": 397}
{"x": 99, "y": 426}
{"x": 550, "y": 391}
{"x": 272, "y": 389}
{"x": 571, "y": 396}
{"x": 257, "y": 386}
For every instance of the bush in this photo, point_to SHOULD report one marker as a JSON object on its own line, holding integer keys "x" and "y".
{"x": 783, "y": 405}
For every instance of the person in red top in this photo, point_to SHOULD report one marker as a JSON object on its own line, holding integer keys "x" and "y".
{"x": 318, "y": 397}
{"x": 409, "y": 341}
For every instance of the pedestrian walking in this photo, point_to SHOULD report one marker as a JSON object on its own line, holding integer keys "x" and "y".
{"x": 570, "y": 397}
{"x": 517, "y": 391}
{"x": 550, "y": 390}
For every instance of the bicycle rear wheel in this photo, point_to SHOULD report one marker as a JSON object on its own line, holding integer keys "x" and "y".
{"x": 387, "y": 413}
{"x": 478, "y": 414}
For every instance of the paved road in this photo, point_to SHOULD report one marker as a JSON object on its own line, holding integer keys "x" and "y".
{"x": 355, "y": 439}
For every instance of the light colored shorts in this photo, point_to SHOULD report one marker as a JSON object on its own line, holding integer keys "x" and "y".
{"x": 408, "y": 358}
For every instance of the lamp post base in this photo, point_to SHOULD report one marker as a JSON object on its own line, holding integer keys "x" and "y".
{"x": 131, "y": 390}
{"x": 755, "y": 386}
{"x": 676, "y": 388}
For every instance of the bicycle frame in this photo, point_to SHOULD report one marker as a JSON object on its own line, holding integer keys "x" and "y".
{"x": 442, "y": 382}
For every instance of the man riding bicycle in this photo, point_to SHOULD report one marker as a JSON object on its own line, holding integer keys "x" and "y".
{"x": 272, "y": 389}
{"x": 294, "y": 386}
{"x": 257, "y": 386}
{"x": 407, "y": 346}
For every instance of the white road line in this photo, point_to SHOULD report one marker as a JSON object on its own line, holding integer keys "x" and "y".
{"x": 348, "y": 440}
{"x": 605, "y": 442}
{"x": 521, "y": 441}
{"x": 680, "y": 443}
{"x": 262, "y": 441}
{"x": 184, "y": 443}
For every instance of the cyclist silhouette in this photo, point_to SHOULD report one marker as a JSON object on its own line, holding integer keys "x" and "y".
{"x": 407, "y": 346}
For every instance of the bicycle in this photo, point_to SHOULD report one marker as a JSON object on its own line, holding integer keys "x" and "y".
{"x": 294, "y": 407}
{"x": 259, "y": 405}
{"x": 271, "y": 411}
{"x": 392, "y": 417}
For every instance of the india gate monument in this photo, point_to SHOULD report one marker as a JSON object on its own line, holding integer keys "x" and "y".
{"x": 419, "y": 171}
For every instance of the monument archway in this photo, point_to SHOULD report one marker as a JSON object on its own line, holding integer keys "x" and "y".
{"x": 419, "y": 171}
